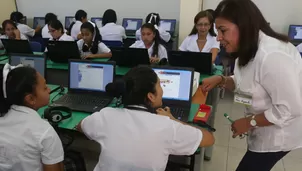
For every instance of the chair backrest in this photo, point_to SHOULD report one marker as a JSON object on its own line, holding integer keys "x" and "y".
{"x": 35, "y": 46}
{"x": 113, "y": 43}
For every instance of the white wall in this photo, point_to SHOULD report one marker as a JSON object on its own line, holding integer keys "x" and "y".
{"x": 6, "y": 7}
{"x": 280, "y": 13}
{"x": 96, "y": 8}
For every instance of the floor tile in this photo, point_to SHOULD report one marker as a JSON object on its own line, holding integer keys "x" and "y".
{"x": 237, "y": 142}
{"x": 218, "y": 161}
{"x": 292, "y": 164}
{"x": 296, "y": 154}
{"x": 222, "y": 135}
{"x": 234, "y": 157}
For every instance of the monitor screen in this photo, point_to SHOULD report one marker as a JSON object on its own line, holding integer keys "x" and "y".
{"x": 176, "y": 84}
{"x": 39, "y": 21}
{"x": 37, "y": 62}
{"x": 132, "y": 24}
{"x": 295, "y": 32}
{"x": 97, "y": 21}
{"x": 168, "y": 25}
{"x": 68, "y": 21}
{"x": 90, "y": 76}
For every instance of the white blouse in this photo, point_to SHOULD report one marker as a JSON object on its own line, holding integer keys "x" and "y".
{"x": 162, "y": 52}
{"x": 64, "y": 37}
{"x": 22, "y": 37}
{"x": 164, "y": 35}
{"x": 274, "y": 79}
{"x": 190, "y": 44}
{"x": 113, "y": 32}
{"x": 299, "y": 47}
{"x": 102, "y": 48}
{"x": 26, "y": 30}
{"x": 76, "y": 30}
{"x": 45, "y": 32}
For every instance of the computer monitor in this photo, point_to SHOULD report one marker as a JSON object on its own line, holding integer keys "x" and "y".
{"x": 168, "y": 25}
{"x": 39, "y": 21}
{"x": 176, "y": 83}
{"x": 90, "y": 76}
{"x": 35, "y": 61}
{"x": 132, "y": 24}
{"x": 68, "y": 21}
{"x": 295, "y": 32}
{"x": 97, "y": 21}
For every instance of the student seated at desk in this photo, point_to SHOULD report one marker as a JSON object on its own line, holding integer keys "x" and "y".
{"x": 202, "y": 37}
{"x": 75, "y": 27}
{"x": 110, "y": 30}
{"x": 18, "y": 17}
{"x": 11, "y": 32}
{"x": 150, "y": 40}
{"x": 91, "y": 45}
{"x": 133, "y": 138}
{"x": 154, "y": 18}
{"x": 56, "y": 30}
{"x": 27, "y": 142}
{"x": 48, "y": 18}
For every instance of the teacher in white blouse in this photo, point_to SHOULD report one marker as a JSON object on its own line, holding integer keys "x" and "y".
{"x": 202, "y": 37}
{"x": 267, "y": 81}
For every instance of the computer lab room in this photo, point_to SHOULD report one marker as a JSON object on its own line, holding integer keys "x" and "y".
{"x": 150, "y": 85}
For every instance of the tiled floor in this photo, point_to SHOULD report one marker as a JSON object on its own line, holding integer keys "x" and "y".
{"x": 227, "y": 151}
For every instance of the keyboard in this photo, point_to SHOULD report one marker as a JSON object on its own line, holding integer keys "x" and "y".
{"x": 180, "y": 113}
{"x": 83, "y": 102}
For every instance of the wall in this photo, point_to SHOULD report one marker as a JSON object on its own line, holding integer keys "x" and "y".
{"x": 280, "y": 13}
{"x": 6, "y": 7}
{"x": 96, "y": 8}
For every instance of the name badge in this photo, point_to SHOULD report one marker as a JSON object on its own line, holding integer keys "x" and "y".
{"x": 243, "y": 99}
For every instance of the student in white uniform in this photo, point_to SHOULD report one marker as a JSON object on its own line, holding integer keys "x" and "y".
{"x": 154, "y": 18}
{"x": 18, "y": 17}
{"x": 27, "y": 142}
{"x": 132, "y": 137}
{"x": 48, "y": 18}
{"x": 267, "y": 81}
{"x": 11, "y": 32}
{"x": 202, "y": 37}
{"x": 150, "y": 40}
{"x": 56, "y": 30}
{"x": 75, "y": 27}
{"x": 91, "y": 45}
{"x": 299, "y": 47}
{"x": 110, "y": 30}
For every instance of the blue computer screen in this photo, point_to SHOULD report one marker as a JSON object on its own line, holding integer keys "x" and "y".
{"x": 35, "y": 62}
{"x": 168, "y": 25}
{"x": 39, "y": 21}
{"x": 132, "y": 23}
{"x": 68, "y": 21}
{"x": 295, "y": 32}
{"x": 97, "y": 21}
{"x": 176, "y": 84}
{"x": 89, "y": 76}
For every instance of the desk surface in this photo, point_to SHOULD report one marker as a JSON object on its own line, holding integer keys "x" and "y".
{"x": 198, "y": 98}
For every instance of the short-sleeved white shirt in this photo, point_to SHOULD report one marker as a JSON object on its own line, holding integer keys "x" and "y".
{"x": 22, "y": 37}
{"x": 102, "y": 48}
{"x": 138, "y": 140}
{"x": 45, "y": 32}
{"x": 190, "y": 44}
{"x": 76, "y": 30}
{"x": 162, "y": 52}
{"x": 299, "y": 47}
{"x": 164, "y": 35}
{"x": 26, "y": 30}
{"x": 64, "y": 37}
{"x": 27, "y": 141}
{"x": 113, "y": 32}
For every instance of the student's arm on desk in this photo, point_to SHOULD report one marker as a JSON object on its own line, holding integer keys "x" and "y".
{"x": 209, "y": 83}
{"x": 101, "y": 55}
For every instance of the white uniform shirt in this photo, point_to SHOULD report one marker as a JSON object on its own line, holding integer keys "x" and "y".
{"x": 64, "y": 37}
{"x": 162, "y": 33}
{"x": 299, "y": 47}
{"x": 45, "y": 32}
{"x": 76, "y": 29}
{"x": 26, "y": 30}
{"x": 113, "y": 32}
{"x": 190, "y": 44}
{"x": 102, "y": 48}
{"x": 162, "y": 52}
{"x": 27, "y": 141}
{"x": 274, "y": 79}
{"x": 138, "y": 140}
{"x": 22, "y": 37}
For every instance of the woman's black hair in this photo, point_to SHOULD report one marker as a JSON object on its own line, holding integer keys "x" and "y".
{"x": 134, "y": 88}
{"x": 96, "y": 37}
{"x": 109, "y": 17}
{"x": 20, "y": 82}
{"x": 154, "y": 20}
{"x": 50, "y": 17}
{"x": 16, "y": 17}
{"x": 200, "y": 15}
{"x": 156, "y": 38}
{"x": 249, "y": 20}
{"x": 79, "y": 15}
{"x": 5, "y": 22}
{"x": 57, "y": 25}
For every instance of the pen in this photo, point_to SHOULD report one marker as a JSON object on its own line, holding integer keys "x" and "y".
{"x": 228, "y": 118}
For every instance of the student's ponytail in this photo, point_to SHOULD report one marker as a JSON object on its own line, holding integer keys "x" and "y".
{"x": 156, "y": 38}
{"x": 70, "y": 27}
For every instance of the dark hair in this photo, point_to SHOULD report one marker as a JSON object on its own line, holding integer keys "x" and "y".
{"x": 79, "y": 15}
{"x": 249, "y": 19}
{"x": 154, "y": 20}
{"x": 50, "y": 17}
{"x": 136, "y": 85}
{"x": 16, "y": 17}
{"x": 5, "y": 22}
{"x": 57, "y": 25}
{"x": 109, "y": 17}
{"x": 200, "y": 15}
{"x": 20, "y": 82}
{"x": 156, "y": 38}
{"x": 97, "y": 37}
{"x": 212, "y": 12}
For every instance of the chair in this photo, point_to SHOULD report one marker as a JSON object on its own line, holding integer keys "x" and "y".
{"x": 113, "y": 43}
{"x": 35, "y": 46}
